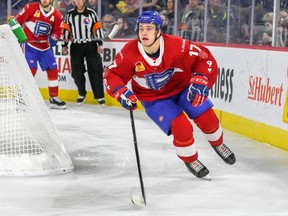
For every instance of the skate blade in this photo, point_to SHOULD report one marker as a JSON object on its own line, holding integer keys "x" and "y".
{"x": 58, "y": 107}
{"x": 207, "y": 178}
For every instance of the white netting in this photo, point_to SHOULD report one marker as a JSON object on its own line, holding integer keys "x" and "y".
{"x": 29, "y": 141}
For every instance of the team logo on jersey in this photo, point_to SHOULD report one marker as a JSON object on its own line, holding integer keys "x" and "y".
{"x": 42, "y": 28}
{"x": 86, "y": 21}
{"x": 157, "y": 80}
{"x": 139, "y": 66}
{"x": 37, "y": 13}
{"x": 203, "y": 54}
{"x": 160, "y": 118}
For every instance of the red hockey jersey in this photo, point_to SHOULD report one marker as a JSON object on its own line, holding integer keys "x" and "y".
{"x": 39, "y": 25}
{"x": 165, "y": 76}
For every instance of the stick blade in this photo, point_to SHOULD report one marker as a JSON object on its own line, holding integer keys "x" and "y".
{"x": 138, "y": 201}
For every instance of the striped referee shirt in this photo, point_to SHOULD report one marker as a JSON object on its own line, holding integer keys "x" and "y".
{"x": 80, "y": 27}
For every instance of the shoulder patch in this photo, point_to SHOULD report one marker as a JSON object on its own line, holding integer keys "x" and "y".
{"x": 139, "y": 66}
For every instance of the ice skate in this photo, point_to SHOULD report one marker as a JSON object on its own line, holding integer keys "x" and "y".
{"x": 198, "y": 169}
{"x": 81, "y": 100}
{"x": 101, "y": 101}
{"x": 225, "y": 153}
{"x": 56, "y": 103}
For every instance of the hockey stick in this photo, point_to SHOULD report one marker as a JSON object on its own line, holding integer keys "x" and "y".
{"x": 68, "y": 40}
{"x": 136, "y": 200}
{"x": 111, "y": 35}
{"x": 113, "y": 32}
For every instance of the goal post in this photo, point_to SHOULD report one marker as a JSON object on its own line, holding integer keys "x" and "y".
{"x": 29, "y": 141}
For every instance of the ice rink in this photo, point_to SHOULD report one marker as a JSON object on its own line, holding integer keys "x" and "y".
{"x": 100, "y": 143}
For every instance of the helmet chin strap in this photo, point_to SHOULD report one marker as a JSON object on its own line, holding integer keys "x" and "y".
{"x": 155, "y": 40}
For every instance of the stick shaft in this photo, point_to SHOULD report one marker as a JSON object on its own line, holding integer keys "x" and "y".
{"x": 66, "y": 40}
{"x": 137, "y": 156}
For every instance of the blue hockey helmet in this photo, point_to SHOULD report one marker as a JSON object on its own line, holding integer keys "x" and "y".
{"x": 151, "y": 17}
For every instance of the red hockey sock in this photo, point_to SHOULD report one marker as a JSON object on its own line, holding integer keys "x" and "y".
{"x": 33, "y": 71}
{"x": 182, "y": 131}
{"x": 53, "y": 82}
{"x": 210, "y": 126}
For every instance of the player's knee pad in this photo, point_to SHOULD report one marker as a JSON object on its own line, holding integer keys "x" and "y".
{"x": 182, "y": 130}
{"x": 210, "y": 126}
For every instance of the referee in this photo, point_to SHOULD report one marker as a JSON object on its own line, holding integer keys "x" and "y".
{"x": 80, "y": 25}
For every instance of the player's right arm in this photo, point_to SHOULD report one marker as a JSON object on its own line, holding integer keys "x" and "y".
{"x": 24, "y": 14}
{"x": 116, "y": 77}
{"x": 57, "y": 29}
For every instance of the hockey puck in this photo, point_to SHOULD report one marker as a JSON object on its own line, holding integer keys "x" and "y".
{"x": 137, "y": 200}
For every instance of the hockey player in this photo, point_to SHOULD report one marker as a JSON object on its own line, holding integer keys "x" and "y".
{"x": 41, "y": 21}
{"x": 171, "y": 77}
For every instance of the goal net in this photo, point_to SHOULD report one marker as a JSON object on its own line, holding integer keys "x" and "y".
{"x": 29, "y": 141}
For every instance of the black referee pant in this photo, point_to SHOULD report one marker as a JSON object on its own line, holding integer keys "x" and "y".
{"x": 78, "y": 52}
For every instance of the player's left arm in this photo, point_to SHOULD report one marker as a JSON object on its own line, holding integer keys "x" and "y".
{"x": 24, "y": 14}
{"x": 57, "y": 29}
{"x": 204, "y": 70}
{"x": 205, "y": 64}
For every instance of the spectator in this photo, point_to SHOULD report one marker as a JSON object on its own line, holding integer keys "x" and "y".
{"x": 93, "y": 4}
{"x": 169, "y": 13}
{"x": 70, "y": 5}
{"x": 191, "y": 26}
{"x": 108, "y": 21}
{"x": 132, "y": 4}
{"x": 170, "y": 16}
{"x": 125, "y": 28}
{"x": 258, "y": 25}
{"x": 192, "y": 4}
{"x": 110, "y": 5}
{"x": 122, "y": 8}
{"x": 160, "y": 5}
{"x": 268, "y": 27}
{"x": 281, "y": 33}
{"x": 63, "y": 6}
{"x": 217, "y": 21}
{"x": 165, "y": 22}
{"x": 283, "y": 29}
{"x": 148, "y": 5}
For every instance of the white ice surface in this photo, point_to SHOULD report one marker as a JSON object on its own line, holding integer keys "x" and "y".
{"x": 100, "y": 143}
